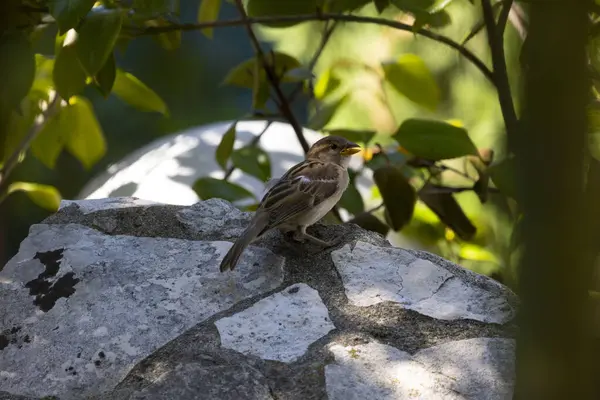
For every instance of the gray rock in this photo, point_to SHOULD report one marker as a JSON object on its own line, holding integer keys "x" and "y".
{"x": 265, "y": 331}
{"x": 125, "y": 301}
{"x": 478, "y": 368}
{"x": 374, "y": 274}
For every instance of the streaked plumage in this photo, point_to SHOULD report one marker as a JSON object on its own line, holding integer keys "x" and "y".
{"x": 301, "y": 197}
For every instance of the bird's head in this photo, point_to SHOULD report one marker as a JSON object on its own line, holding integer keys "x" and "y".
{"x": 333, "y": 149}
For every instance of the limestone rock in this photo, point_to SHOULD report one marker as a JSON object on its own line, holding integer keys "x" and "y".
{"x": 120, "y": 299}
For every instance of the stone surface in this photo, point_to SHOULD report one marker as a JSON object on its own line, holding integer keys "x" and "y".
{"x": 479, "y": 368}
{"x": 279, "y": 327}
{"x": 374, "y": 274}
{"x": 126, "y": 295}
{"x": 92, "y": 205}
{"x": 117, "y": 299}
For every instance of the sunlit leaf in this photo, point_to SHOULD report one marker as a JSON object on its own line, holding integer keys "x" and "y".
{"x": 474, "y": 252}
{"x": 133, "y": 91}
{"x": 44, "y": 196}
{"x": 434, "y": 140}
{"x": 242, "y": 75}
{"x": 327, "y": 83}
{"x": 356, "y": 136}
{"x": 16, "y": 124}
{"x": 17, "y": 67}
{"x": 96, "y": 39}
{"x": 398, "y": 195}
{"x": 370, "y": 222}
{"x": 68, "y": 74}
{"x": 105, "y": 78}
{"x": 68, "y": 13}
{"x": 86, "y": 140}
{"x": 410, "y": 77}
{"x": 324, "y": 114}
{"x": 225, "y": 147}
{"x": 208, "y": 188}
{"x": 208, "y": 12}
{"x": 445, "y": 206}
{"x": 252, "y": 160}
{"x": 51, "y": 139}
{"x": 43, "y": 81}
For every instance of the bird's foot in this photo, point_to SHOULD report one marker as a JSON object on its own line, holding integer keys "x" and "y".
{"x": 301, "y": 236}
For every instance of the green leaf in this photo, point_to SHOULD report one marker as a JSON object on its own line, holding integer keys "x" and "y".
{"x": 370, "y": 222}
{"x": 105, "y": 78}
{"x": 96, "y": 39}
{"x": 68, "y": 74}
{"x": 17, "y": 68}
{"x": 86, "y": 140}
{"x": 503, "y": 176}
{"x": 352, "y": 201}
{"x": 252, "y": 160}
{"x": 445, "y": 206}
{"x": 266, "y": 8}
{"x": 356, "y": 136}
{"x": 43, "y": 81}
{"x": 226, "y": 146}
{"x": 51, "y": 139}
{"x": 434, "y": 140}
{"x": 324, "y": 114}
{"x": 327, "y": 83}
{"x": 381, "y": 5}
{"x": 18, "y": 124}
{"x": 67, "y": 13}
{"x": 153, "y": 7}
{"x": 133, "y": 91}
{"x": 208, "y": 188}
{"x": 243, "y": 74}
{"x": 410, "y": 77}
{"x": 475, "y": 252}
{"x": 44, "y": 196}
{"x": 208, "y": 12}
{"x": 398, "y": 195}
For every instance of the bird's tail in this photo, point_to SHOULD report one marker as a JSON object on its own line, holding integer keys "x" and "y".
{"x": 256, "y": 227}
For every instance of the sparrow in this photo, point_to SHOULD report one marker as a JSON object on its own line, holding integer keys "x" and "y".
{"x": 301, "y": 197}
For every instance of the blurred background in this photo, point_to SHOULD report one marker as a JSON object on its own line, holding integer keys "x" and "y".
{"x": 189, "y": 79}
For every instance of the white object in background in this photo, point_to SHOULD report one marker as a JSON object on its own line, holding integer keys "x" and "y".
{"x": 165, "y": 170}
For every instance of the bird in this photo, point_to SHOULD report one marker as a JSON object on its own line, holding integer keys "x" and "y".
{"x": 301, "y": 197}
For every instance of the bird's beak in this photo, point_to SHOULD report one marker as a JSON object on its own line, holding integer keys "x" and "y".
{"x": 351, "y": 148}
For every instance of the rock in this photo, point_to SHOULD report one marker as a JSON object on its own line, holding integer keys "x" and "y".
{"x": 120, "y": 299}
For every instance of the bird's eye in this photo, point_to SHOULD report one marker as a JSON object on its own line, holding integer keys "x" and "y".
{"x": 334, "y": 146}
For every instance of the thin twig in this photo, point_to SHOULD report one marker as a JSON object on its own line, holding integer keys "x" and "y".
{"x": 328, "y": 31}
{"x": 503, "y": 17}
{"x": 15, "y": 157}
{"x": 326, "y": 17}
{"x": 500, "y": 74}
{"x": 283, "y": 104}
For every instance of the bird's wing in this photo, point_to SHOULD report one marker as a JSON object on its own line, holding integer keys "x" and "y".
{"x": 304, "y": 186}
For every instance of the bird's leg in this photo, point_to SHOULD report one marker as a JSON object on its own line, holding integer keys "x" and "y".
{"x": 300, "y": 235}
{"x": 233, "y": 288}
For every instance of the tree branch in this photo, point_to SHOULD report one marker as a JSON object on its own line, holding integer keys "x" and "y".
{"x": 14, "y": 158}
{"x": 283, "y": 104}
{"x": 495, "y": 36}
{"x": 327, "y": 17}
